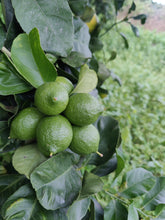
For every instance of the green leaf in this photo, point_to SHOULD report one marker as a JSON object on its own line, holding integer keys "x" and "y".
{"x": 78, "y": 209}
{"x": 124, "y": 39}
{"x": 115, "y": 211}
{"x": 23, "y": 204}
{"x": 135, "y": 30}
{"x": 80, "y": 52}
{"x": 31, "y": 61}
{"x": 161, "y": 216}
{"x": 106, "y": 168}
{"x": 4, "y": 134}
{"x": 96, "y": 210}
{"x": 120, "y": 162}
{"x": 87, "y": 80}
{"x": 2, "y": 35}
{"x": 53, "y": 19}
{"x": 10, "y": 82}
{"x": 56, "y": 181}
{"x": 91, "y": 184}
{"x": 156, "y": 196}
{"x": 26, "y": 158}
{"x": 132, "y": 213}
{"x": 9, "y": 183}
{"x": 110, "y": 139}
{"x": 78, "y": 7}
{"x": 139, "y": 181}
{"x": 132, "y": 8}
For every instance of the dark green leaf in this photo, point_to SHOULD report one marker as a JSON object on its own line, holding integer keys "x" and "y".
{"x": 113, "y": 55}
{"x": 161, "y": 216}
{"x": 91, "y": 184}
{"x": 53, "y": 19}
{"x": 10, "y": 82}
{"x": 2, "y": 35}
{"x": 118, "y": 4}
{"x": 125, "y": 40}
{"x": 23, "y": 204}
{"x": 156, "y": 196}
{"x": 120, "y": 162}
{"x": 132, "y": 213}
{"x": 109, "y": 139}
{"x": 78, "y": 209}
{"x": 103, "y": 73}
{"x": 4, "y": 134}
{"x": 8, "y": 12}
{"x": 141, "y": 17}
{"x": 95, "y": 44}
{"x": 115, "y": 211}
{"x": 87, "y": 80}
{"x": 116, "y": 78}
{"x": 30, "y": 59}
{"x": 139, "y": 181}
{"x": 80, "y": 52}
{"x": 132, "y": 8}
{"x": 56, "y": 181}
{"x": 26, "y": 158}
{"x": 106, "y": 168}
{"x": 9, "y": 183}
{"x": 87, "y": 13}
{"x": 135, "y": 30}
{"x": 96, "y": 211}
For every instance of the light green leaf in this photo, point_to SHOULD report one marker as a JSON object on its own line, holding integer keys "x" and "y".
{"x": 139, "y": 181}
{"x": 26, "y": 158}
{"x": 31, "y": 61}
{"x": 53, "y": 19}
{"x": 56, "y": 181}
{"x": 78, "y": 209}
{"x": 132, "y": 213}
{"x": 87, "y": 80}
{"x": 10, "y": 82}
{"x": 120, "y": 162}
{"x": 156, "y": 196}
{"x": 91, "y": 184}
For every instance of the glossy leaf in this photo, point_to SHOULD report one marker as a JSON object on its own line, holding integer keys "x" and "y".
{"x": 161, "y": 216}
{"x": 78, "y": 7}
{"x": 115, "y": 211}
{"x": 30, "y": 59}
{"x": 96, "y": 210}
{"x": 139, "y": 181}
{"x": 132, "y": 8}
{"x": 125, "y": 40}
{"x": 118, "y": 4}
{"x": 106, "y": 168}
{"x": 135, "y": 30}
{"x": 53, "y": 19}
{"x": 23, "y": 204}
{"x": 80, "y": 52}
{"x": 109, "y": 139}
{"x": 78, "y": 209}
{"x": 91, "y": 184}
{"x": 56, "y": 181}
{"x": 132, "y": 213}
{"x": 10, "y": 82}
{"x": 8, "y": 12}
{"x": 141, "y": 17}
{"x": 156, "y": 196}
{"x": 26, "y": 158}
{"x": 87, "y": 80}
{"x": 9, "y": 183}
{"x": 4, "y": 134}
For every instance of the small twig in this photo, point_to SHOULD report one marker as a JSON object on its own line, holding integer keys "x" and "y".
{"x": 6, "y": 51}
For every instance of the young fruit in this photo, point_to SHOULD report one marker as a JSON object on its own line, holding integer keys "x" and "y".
{"x": 92, "y": 23}
{"x": 65, "y": 82}
{"x": 24, "y": 125}
{"x": 54, "y": 134}
{"x": 83, "y": 109}
{"x": 51, "y": 98}
{"x": 85, "y": 140}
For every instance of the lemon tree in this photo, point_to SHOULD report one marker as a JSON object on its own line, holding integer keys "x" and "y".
{"x": 56, "y": 139}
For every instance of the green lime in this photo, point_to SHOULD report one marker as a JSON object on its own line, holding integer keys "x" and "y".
{"x": 51, "y": 98}
{"x": 65, "y": 82}
{"x": 54, "y": 134}
{"x": 85, "y": 139}
{"x": 24, "y": 125}
{"x": 83, "y": 109}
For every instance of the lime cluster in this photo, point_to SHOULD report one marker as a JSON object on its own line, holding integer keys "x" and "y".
{"x": 59, "y": 119}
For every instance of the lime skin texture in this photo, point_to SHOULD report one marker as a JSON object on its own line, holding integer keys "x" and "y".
{"x": 23, "y": 126}
{"x": 66, "y": 83}
{"x": 54, "y": 134}
{"x": 83, "y": 109}
{"x": 51, "y": 98}
{"x": 85, "y": 140}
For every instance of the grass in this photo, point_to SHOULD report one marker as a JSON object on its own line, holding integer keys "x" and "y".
{"x": 139, "y": 104}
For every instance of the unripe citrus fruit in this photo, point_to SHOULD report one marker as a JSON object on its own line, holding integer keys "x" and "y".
{"x": 24, "y": 125}
{"x": 65, "y": 82}
{"x": 51, "y": 98}
{"x": 54, "y": 134}
{"x": 83, "y": 109}
{"x": 92, "y": 23}
{"x": 85, "y": 140}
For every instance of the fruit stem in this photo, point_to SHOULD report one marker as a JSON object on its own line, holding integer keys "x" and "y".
{"x": 97, "y": 152}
